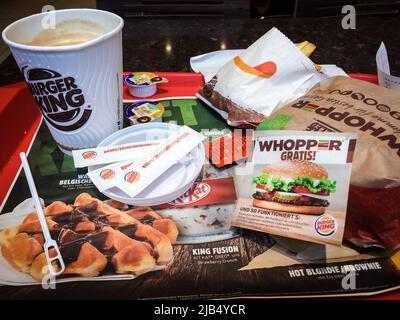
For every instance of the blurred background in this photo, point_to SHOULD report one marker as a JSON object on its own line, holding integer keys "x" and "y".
{"x": 165, "y": 29}
{"x": 246, "y": 8}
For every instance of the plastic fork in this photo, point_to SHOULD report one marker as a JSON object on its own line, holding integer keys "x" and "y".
{"x": 49, "y": 242}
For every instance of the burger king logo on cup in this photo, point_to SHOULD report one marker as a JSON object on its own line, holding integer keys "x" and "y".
{"x": 325, "y": 225}
{"x": 199, "y": 191}
{"x": 59, "y": 98}
{"x": 89, "y": 155}
{"x": 107, "y": 174}
{"x": 132, "y": 176}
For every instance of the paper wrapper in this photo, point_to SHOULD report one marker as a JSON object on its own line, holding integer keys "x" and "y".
{"x": 342, "y": 104}
{"x": 268, "y": 74}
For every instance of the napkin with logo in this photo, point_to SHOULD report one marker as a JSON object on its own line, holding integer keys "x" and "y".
{"x": 268, "y": 74}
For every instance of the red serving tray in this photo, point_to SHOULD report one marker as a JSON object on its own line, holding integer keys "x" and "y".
{"x": 20, "y": 118}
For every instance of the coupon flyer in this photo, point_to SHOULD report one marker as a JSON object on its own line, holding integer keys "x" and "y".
{"x": 296, "y": 185}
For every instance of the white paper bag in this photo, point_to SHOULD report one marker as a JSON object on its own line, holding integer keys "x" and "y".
{"x": 268, "y": 74}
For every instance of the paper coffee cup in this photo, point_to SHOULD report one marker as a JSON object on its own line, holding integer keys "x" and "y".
{"x": 77, "y": 87}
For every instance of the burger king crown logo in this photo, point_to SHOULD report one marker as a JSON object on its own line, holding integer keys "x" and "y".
{"x": 325, "y": 225}
{"x": 132, "y": 176}
{"x": 59, "y": 98}
{"x": 89, "y": 155}
{"x": 107, "y": 174}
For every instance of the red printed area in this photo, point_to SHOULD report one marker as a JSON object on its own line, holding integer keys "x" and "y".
{"x": 116, "y": 149}
{"x": 89, "y": 155}
{"x": 229, "y": 148}
{"x": 107, "y": 174}
{"x": 165, "y": 149}
{"x": 19, "y": 119}
{"x": 132, "y": 176}
{"x": 206, "y": 192}
{"x": 268, "y": 68}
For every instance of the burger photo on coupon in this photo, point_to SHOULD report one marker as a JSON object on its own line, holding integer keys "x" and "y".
{"x": 293, "y": 186}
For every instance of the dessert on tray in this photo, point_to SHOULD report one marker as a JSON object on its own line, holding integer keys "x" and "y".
{"x": 94, "y": 238}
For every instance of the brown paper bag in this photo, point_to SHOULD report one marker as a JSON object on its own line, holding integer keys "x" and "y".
{"x": 373, "y": 112}
{"x": 343, "y": 104}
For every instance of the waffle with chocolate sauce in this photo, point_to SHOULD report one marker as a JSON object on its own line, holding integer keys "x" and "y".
{"x": 94, "y": 238}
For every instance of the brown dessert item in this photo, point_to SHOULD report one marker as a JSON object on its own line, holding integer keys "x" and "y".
{"x": 94, "y": 237}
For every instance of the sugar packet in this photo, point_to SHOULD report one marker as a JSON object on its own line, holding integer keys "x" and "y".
{"x": 143, "y": 172}
{"x": 104, "y": 155}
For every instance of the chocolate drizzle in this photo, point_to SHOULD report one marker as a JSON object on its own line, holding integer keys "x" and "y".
{"x": 70, "y": 250}
{"x": 74, "y": 229}
{"x": 69, "y": 236}
{"x": 128, "y": 230}
{"x": 147, "y": 219}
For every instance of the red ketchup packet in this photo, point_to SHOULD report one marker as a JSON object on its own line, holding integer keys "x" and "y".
{"x": 229, "y": 148}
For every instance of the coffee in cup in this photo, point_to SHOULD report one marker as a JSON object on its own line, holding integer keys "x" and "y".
{"x": 67, "y": 33}
{"x": 74, "y": 72}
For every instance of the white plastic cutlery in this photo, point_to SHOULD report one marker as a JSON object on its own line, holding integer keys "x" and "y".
{"x": 49, "y": 242}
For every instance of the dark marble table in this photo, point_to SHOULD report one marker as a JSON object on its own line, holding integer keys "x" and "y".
{"x": 167, "y": 45}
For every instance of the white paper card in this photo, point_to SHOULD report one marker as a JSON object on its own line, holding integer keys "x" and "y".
{"x": 385, "y": 78}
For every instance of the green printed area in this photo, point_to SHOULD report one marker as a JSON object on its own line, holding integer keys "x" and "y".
{"x": 55, "y": 175}
{"x": 167, "y": 114}
{"x": 189, "y": 112}
{"x": 277, "y": 122}
{"x": 192, "y": 113}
